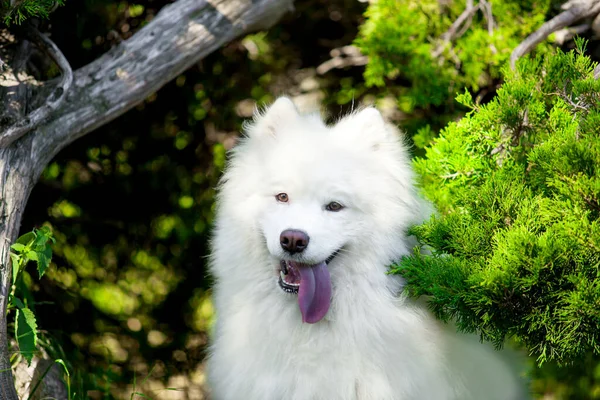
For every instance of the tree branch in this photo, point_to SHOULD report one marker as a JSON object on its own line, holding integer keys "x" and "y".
{"x": 347, "y": 56}
{"x": 54, "y": 100}
{"x": 486, "y": 8}
{"x": 180, "y": 35}
{"x": 577, "y": 10}
{"x": 561, "y": 36}
{"x": 463, "y": 20}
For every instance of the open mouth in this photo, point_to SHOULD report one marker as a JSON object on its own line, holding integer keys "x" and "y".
{"x": 312, "y": 284}
{"x": 289, "y": 275}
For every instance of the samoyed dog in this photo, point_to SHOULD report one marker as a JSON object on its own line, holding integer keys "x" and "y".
{"x": 309, "y": 218}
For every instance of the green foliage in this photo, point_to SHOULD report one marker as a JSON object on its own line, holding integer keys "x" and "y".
{"x": 405, "y": 40}
{"x": 27, "y": 9}
{"x": 32, "y": 246}
{"x": 516, "y": 250}
{"x": 412, "y": 54}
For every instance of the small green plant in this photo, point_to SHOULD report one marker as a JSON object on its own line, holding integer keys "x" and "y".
{"x": 33, "y": 246}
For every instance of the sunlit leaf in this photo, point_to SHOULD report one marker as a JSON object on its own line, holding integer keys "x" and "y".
{"x": 18, "y": 247}
{"x": 32, "y": 255}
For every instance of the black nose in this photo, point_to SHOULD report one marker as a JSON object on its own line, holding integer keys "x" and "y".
{"x": 293, "y": 241}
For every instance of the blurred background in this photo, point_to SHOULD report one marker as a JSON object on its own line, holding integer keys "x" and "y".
{"x": 127, "y": 298}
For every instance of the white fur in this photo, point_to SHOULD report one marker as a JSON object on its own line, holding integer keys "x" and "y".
{"x": 373, "y": 344}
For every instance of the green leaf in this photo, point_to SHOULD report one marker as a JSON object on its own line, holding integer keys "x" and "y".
{"x": 26, "y": 333}
{"x": 465, "y": 99}
{"x": 44, "y": 258}
{"x": 26, "y": 238}
{"x": 42, "y": 236}
{"x": 15, "y": 261}
{"x": 18, "y": 247}
{"x": 17, "y": 302}
{"x": 32, "y": 255}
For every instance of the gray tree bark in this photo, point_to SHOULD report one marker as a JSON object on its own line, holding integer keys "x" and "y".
{"x": 180, "y": 35}
{"x": 574, "y": 10}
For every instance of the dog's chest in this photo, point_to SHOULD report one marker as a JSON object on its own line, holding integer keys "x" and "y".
{"x": 286, "y": 359}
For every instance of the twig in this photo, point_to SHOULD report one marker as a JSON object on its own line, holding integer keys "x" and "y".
{"x": 565, "y": 97}
{"x": 486, "y": 8}
{"x": 54, "y": 100}
{"x": 597, "y": 72}
{"x": 468, "y": 13}
{"x": 578, "y": 10}
{"x": 467, "y": 23}
{"x": 463, "y": 20}
{"x": 347, "y": 56}
{"x": 563, "y": 35}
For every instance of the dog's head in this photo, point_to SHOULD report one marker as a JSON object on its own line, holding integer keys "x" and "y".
{"x": 316, "y": 201}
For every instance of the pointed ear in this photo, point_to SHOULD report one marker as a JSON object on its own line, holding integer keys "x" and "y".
{"x": 369, "y": 116}
{"x": 368, "y": 119}
{"x": 269, "y": 121}
{"x": 368, "y": 126}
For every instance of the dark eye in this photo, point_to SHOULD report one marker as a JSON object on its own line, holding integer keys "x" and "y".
{"x": 334, "y": 206}
{"x": 282, "y": 197}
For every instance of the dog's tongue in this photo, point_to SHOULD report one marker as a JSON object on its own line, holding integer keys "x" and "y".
{"x": 314, "y": 294}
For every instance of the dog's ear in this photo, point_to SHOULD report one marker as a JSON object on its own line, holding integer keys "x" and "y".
{"x": 369, "y": 126}
{"x": 368, "y": 117}
{"x": 270, "y": 120}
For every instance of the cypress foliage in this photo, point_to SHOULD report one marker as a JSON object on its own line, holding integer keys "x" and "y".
{"x": 515, "y": 250}
{"x": 26, "y": 9}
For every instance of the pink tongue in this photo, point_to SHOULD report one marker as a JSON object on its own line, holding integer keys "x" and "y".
{"x": 314, "y": 295}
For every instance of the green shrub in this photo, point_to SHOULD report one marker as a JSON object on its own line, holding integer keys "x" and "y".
{"x": 516, "y": 248}
{"x": 408, "y": 53}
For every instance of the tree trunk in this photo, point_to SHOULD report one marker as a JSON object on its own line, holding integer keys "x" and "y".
{"x": 17, "y": 177}
{"x": 179, "y": 36}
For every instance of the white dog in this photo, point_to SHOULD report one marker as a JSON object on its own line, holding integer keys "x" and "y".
{"x": 309, "y": 217}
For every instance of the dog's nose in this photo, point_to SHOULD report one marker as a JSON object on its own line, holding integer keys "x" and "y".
{"x": 293, "y": 240}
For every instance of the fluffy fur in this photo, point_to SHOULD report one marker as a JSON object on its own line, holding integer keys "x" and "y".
{"x": 373, "y": 344}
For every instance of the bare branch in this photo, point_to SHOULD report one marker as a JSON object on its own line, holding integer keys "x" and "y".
{"x": 486, "y": 8}
{"x": 54, "y": 100}
{"x": 563, "y": 35}
{"x": 468, "y": 13}
{"x": 578, "y": 9}
{"x": 347, "y": 56}
{"x": 467, "y": 23}
{"x": 462, "y": 22}
{"x": 180, "y": 35}
{"x": 596, "y": 25}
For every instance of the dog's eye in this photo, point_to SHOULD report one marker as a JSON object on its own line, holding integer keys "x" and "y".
{"x": 334, "y": 206}
{"x": 282, "y": 197}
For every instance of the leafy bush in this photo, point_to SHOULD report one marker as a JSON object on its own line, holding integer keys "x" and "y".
{"x": 416, "y": 52}
{"x": 516, "y": 249}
